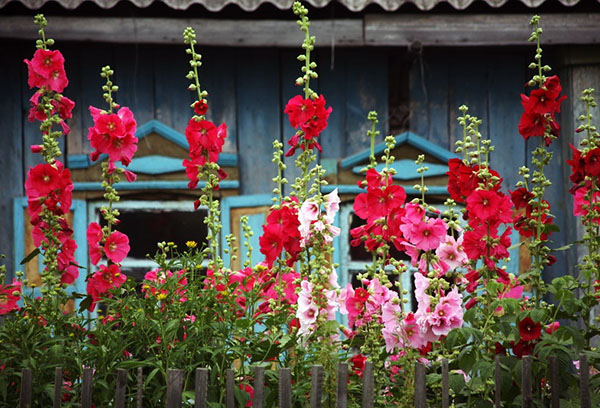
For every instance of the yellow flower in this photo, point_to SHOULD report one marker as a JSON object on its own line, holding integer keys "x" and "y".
{"x": 161, "y": 296}
{"x": 191, "y": 244}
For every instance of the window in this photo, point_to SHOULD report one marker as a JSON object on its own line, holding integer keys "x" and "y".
{"x": 353, "y": 260}
{"x": 148, "y": 222}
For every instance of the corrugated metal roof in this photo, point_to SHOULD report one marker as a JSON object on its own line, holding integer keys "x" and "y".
{"x": 250, "y": 5}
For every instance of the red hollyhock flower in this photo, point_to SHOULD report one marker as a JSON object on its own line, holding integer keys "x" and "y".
{"x": 116, "y": 246}
{"x": 201, "y": 107}
{"x": 94, "y": 236}
{"x": 114, "y": 135}
{"x": 577, "y": 164}
{"x": 358, "y": 364}
{"x": 483, "y": 204}
{"x": 532, "y": 124}
{"x": 47, "y": 69}
{"x": 529, "y": 330}
{"x": 522, "y": 348}
{"x": 271, "y": 242}
{"x": 9, "y": 296}
{"x": 592, "y": 162}
{"x": 361, "y": 295}
{"x": 311, "y": 117}
{"x": 521, "y": 197}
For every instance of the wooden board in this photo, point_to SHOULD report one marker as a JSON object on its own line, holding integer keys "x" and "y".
{"x": 11, "y": 159}
{"x": 172, "y": 99}
{"x": 259, "y": 117}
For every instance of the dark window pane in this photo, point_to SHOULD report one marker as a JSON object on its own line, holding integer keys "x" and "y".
{"x": 146, "y": 227}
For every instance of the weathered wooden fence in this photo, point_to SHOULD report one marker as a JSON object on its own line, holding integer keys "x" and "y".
{"x": 176, "y": 378}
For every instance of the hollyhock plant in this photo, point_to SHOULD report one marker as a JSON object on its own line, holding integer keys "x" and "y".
{"x": 9, "y": 297}
{"x": 113, "y": 134}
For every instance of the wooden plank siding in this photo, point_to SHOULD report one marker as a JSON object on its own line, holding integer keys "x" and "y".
{"x": 248, "y": 90}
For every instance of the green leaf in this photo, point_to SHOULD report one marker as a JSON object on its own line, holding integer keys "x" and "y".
{"x": 85, "y": 303}
{"x": 31, "y": 255}
{"x": 563, "y": 248}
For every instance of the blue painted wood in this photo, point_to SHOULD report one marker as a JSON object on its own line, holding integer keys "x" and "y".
{"x": 155, "y": 164}
{"x": 407, "y": 169}
{"x": 259, "y": 118}
{"x": 135, "y": 77}
{"x": 216, "y": 74}
{"x": 366, "y": 90}
{"x": 11, "y": 158}
{"x": 332, "y": 84}
{"x": 156, "y": 126}
{"x": 172, "y": 99}
{"x": 468, "y": 81}
{"x": 255, "y": 222}
{"x": 409, "y": 138}
{"x": 428, "y": 87}
{"x": 242, "y": 201}
{"x": 410, "y": 190}
{"x": 151, "y": 185}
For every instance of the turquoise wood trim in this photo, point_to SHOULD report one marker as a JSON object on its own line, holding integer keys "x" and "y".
{"x": 78, "y": 207}
{"x": 410, "y": 190}
{"x": 151, "y": 185}
{"x": 407, "y": 137}
{"x": 156, "y": 164}
{"x": 82, "y": 161}
{"x": 407, "y": 169}
{"x": 243, "y": 201}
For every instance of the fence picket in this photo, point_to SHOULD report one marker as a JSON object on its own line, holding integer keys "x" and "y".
{"x": 174, "y": 386}
{"x": 316, "y": 386}
{"x": 259, "y": 387}
{"x": 420, "y": 396}
{"x": 526, "y": 397}
{"x": 342, "y": 385}
{"x": 498, "y": 383}
{"x": 140, "y": 388}
{"x": 229, "y": 386}
{"x": 285, "y": 388}
{"x": 554, "y": 382}
{"x": 200, "y": 388}
{"x": 58, "y": 379}
{"x": 121, "y": 388}
{"x": 86, "y": 388}
{"x": 584, "y": 382}
{"x": 445, "y": 385}
{"x": 26, "y": 388}
{"x": 368, "y": 385}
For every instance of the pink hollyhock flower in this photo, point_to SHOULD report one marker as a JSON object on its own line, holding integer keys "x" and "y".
{"x": 345, "y": 294}
{"x": 421, "y": 285}
{"x": 445, "y": 317}
{"x": 9, "y": 296}
{"x": 116, "y": 246}
{"x": 332, "y": 205}
{"x": 451, "y": 253}
{"x": 94, "y": 236}
{"x": 412, "y": 332}
{"x": 307, "y": 315}
{"x": 47, "y": 69}
{"x": 427, "y": 234}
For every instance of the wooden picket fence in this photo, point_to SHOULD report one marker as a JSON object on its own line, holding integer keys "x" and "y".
{"x": 176, "y": 378}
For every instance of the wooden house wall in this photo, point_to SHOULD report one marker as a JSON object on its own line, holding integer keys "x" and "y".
{"x": 249, "y": 88}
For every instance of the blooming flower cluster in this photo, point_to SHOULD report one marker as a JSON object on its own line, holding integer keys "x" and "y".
{"x": 381, "y": 205}
{"x": 313, "y": 221}
{"x": 155, "y": 284}
{"x": 281, "y": 232}
{"x": 310, "y": 116}
{"x": 47, "y": 70}
{"x": 206, "y": 142}
{"x": 309, "y": 309}
{"x": 113, "y": 134}
{"x": 540, "y": 108}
